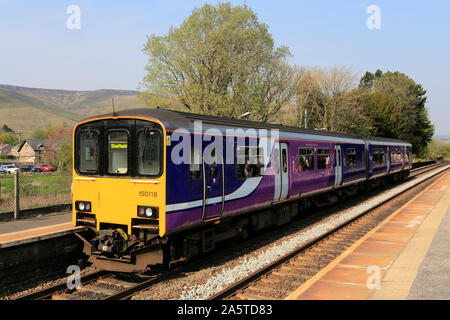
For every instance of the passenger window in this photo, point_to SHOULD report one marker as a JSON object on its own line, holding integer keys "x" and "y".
{"x": 149, "y": 152}
{"x": 89, "y": 151}
{"x": 323, "y": 158}
{"x": 213, "y": 165}
{"x": 351, "y": 157}
{"x": 305, "y": 159}
{"x": 377, "y": 156}
{"x": 284, "y": 156}
{"x": 194, "y": 165}
{"x": 118, "y": 152}
{"x": 250, "y": 162}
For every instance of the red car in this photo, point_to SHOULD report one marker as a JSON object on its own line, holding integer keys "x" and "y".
{"x": 45, "y": 168}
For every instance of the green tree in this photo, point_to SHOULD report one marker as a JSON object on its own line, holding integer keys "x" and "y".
{"x": 8, "y": 138}
{"x": 43, "y": 134}
{"x": 221, "y": 61}
{"x": 64, "y": 157}
{"x": 405, "y": 111}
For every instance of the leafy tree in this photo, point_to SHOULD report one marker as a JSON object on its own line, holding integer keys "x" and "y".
{"x": 64, "y": 157}
{"x": 405, "y": 115}
{"x": 222, "y": 61}
{"x": 8, "y": 138}
{"x": 43, "y": 134}
{"x": 383, "y": 114}
{"x": 330, "y": 97}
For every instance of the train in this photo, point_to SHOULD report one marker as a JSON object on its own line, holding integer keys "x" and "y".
{"x": 156, "y": 186}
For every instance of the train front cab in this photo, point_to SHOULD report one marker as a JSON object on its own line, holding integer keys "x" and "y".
{"x": 119, "y": 189}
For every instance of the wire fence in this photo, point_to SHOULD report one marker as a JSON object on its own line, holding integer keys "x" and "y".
{"x": 36, "y": 190}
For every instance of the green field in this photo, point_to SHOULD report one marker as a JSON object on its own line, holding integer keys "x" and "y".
{"x": 36, "y": 190}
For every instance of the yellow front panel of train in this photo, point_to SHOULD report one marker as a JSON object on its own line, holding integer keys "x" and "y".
{"x": 115, "y": 200}
{"x": 119, "y": 165}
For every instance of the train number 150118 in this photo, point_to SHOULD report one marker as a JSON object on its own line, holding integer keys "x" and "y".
{"x": 148, "y": 194}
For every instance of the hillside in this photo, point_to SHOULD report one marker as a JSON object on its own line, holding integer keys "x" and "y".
{"x": 27, "y": 109}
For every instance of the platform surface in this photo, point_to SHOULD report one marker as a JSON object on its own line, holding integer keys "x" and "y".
{"x": 34, "y": 229}
{"x": 406, "y": 257}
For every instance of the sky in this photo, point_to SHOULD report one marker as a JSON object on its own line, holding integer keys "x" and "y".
{"x": 43, "y": 46}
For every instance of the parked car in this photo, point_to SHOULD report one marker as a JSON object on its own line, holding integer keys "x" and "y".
{"x": 45, "y": 168}
{"x": 27, "y": 168}
{"x": 8, "y": 168}
{"x": 36, "y": 169}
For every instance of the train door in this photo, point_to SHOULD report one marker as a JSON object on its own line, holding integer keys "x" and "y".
{"x": 281, "y": 171}
{"x": 284, "y": 166}
{"x": 388, "y": 152}
{"x": 337, "y": 165}
{"x": 213, "y": 187}
{"x": 276, "y": 171}
{"x": 403, "y": 157}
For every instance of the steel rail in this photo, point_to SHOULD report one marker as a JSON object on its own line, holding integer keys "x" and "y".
{"x": 47, "y": 293}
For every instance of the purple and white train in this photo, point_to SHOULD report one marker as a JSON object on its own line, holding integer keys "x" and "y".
{"x": 163, "y": 186}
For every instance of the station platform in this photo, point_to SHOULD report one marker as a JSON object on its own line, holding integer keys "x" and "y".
{"x": 406, "y": 257}
{"x": 38, "y": 228}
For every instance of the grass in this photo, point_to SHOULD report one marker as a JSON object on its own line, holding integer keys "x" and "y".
{"x": 36, "y": 190}
{"x": 439, "y": 148}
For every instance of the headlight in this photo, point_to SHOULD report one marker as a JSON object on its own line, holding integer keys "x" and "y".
{"x": 147, "y": 212}
{"x": 83, "y": 206}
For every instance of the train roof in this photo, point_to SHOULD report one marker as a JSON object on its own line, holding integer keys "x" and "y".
{"x": 173, "y": 120}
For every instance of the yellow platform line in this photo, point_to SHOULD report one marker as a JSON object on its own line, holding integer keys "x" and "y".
{"x": 334, "y": 263}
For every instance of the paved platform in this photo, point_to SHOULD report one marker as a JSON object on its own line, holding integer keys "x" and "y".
{"x": 35, "y": 229}
{"x": 405, "y": 257}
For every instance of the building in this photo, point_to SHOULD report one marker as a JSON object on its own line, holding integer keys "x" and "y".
{"x": 32, "y": 151}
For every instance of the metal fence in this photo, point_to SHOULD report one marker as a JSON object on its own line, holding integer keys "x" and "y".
{"x": 34, "y": 190}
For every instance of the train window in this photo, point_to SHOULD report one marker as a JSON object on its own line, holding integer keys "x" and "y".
{"x": 284, "y": 158}
{"x": 323, "y": 158}
{"x": 118, "y": 152}
{"x": 194, "y": 165}
{"x": 381, "y": 156}
{"x": 377, "y": 155}
{"x": 250, "y": 162}
{"x": 88, "y": 151}
{"x": 213, "y": 166}
{"x": 396, "y": 155}
{"x": 305, "y": 159}
{"x": 351, "y": 157}
{"x": 149, "y": 152}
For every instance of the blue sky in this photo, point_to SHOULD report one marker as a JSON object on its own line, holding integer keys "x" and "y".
{"x": 38, "y": 50}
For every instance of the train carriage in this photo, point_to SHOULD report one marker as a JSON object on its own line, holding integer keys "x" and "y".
{"x": 157, "y": 186}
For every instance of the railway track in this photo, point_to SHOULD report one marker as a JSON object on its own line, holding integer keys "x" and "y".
{"x": 282, "y": 276}
{"x": 100, "y": 285}
{"x": 104, "y": 285}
